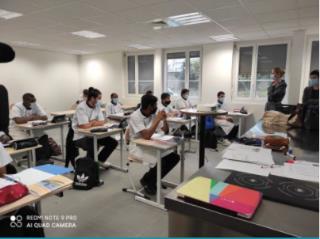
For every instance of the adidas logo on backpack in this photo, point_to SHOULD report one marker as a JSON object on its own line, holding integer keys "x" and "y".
{"x": 86, "y": 174}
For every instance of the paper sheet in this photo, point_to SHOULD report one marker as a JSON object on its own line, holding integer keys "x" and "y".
{"x": 5, "y": 157}
{"x": 162, "y": 137}
{"x": 305, "y": 171}
{"x": 30, "y": 176}
{"x": 248, "y": 153}
{"x": 5, "y": 182}
{"x": 238, "y": 166}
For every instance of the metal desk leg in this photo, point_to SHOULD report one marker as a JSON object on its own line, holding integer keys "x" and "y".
{"x": 190, "y": 125}
{"x": 121, "y": 168}
{"x": 30, "y": 159}
{"x": 202, "y": 138}
{"x": 240, "y": 127}
{"x": 62, "y": 142}
{"x": 197, "y": 128}
{"x": 182, "y": 163}
{"x": 158, "y": 176}
{"x": 95, "y": 148}
{"x": 33, "y": 158}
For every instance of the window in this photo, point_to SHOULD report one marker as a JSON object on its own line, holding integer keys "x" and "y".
{"x": 314, "y": 62}
{"x": 255, "y": 63}
{"x": 183, "y": 70}
{"x": 140, "y": 73}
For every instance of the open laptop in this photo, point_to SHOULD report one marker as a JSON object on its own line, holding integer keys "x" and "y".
{"x": 221, "y": 196}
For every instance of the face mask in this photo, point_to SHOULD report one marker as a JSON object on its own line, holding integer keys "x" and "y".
{"x": 154, "y": 110}
{"x": 313, "y": 82}
{"x": 115, "y": 100}
{"x": 166, "y": 103}
{"x": 99, "y": 103}
{"x": 221, "y": 100}
{"x": 186, "y": 96}
{"x": 33, "y": 105}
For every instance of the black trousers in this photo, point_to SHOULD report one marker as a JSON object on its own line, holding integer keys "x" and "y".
{"x": 167, "y": 163}
{"x": 109, "y": 145}
{"x": 22, "y": 226}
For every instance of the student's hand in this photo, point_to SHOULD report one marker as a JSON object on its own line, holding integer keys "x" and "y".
{"x": 161, "y": 115}
{"x": 229, "y": 119}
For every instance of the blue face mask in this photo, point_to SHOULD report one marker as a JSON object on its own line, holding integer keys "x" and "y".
{"x": 313, "y": 82}
{"x": 115, "y": 100}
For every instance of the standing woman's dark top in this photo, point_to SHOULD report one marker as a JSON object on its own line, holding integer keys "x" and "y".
{"x": 4, "y": 110}
{"x": 277, "y": 90}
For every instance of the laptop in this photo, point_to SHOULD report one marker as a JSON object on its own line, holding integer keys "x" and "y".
{"x": 221, "y": 196}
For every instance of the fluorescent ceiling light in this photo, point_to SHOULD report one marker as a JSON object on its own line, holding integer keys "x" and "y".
{"x": 88, "y": 34}
{"x": 140, "y": 47}
{"x": 9, "y": 15}
{"x": 189, "y": 19}
{"x": 227, "y": 37}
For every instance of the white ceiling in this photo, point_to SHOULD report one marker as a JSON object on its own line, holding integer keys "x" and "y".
{"x": 47, "y": 23}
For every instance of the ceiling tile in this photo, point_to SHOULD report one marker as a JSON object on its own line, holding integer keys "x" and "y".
{"x": 281, "y": 25}
{"x": 309, "y": 12}
{"x": 263, "y": 6}
{"x": 277, "y": 16}
{"x": 111, "y": 5}
{"x": 230, "y": 12}
{"x": 212, "y": 4}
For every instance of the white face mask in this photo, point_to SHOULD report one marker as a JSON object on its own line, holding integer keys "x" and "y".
{"x": 33, "y": 105}
{"x": 99, "y": 103}
{"x": 186, "y": 96}
{"x": 221, "y": 100}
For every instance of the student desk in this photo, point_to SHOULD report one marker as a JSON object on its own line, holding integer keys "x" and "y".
{"x": 35, "y": 196}
{"x": 67, "y": 113}
{"x": 31, "y": 129}
{"x": 240, "y": 117}
{"x": 202, "y": 115}
{"x": 30, "y": 150}
{"x": 118, "y": 117}
{"x": 161, "y": 147}
{"x": 129, "y": 108}
{"x": 101, "y": 135}
{"x": 272, "y": 219}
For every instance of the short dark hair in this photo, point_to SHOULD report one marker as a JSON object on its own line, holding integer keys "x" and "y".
{"x": 164, "y": 95}
{"x": 220, "y": 93}
{"x": 183, "y": 91}
{"x": 85, "y": 92}
{"x": 113, "y": 95}
{"x": 315, "y": 73}
{"x": 93, "y": 93}
{"x": 149, "y": 92}
{"x": 148, "y": 100}
{"x": 28, "y": 96}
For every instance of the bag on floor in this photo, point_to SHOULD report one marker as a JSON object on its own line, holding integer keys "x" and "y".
{"x": 86, "y": 175}
{"x": 55, "y": 148}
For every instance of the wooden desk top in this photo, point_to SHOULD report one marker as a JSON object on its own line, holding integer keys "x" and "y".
{"x": 13, "y": 152}
{"x": 49, "y": 125}
{"x": 86, "y": 132}
{"x": 178, "y": 120}
{"x": 156, "y": 144}
{"x": 129, "y": 107}
{"x": 239, "y": 114}
{"x": 65, "y": 112}
{"x": 202, "y": 113}
{"x": 36, "y": 194}
{"x": 118, "y": 117}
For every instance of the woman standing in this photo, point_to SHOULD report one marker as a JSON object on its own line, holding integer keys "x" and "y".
{"x": 276, "y": 90}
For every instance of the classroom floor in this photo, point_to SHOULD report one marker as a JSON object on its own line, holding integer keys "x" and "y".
{"x": 106, "y": 211}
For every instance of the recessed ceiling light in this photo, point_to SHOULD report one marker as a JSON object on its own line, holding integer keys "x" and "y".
{"x": 140, "y": 47}
{"x": 9, "y": 15}
{"x": 88, "y": 34}
{"x": 189, "y": 19}
{"x": 227, "y": 37}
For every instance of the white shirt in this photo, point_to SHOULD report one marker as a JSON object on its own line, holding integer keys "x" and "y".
{"x": 183, "y": 104}
{"x": 5, "y": 158}
{"x": 112, "y": 109}
{"x": 18, "y": 111}
{"x": 83, "y": 115}
{"x": 137, "y": 123}
{"x": 167, "y": 109}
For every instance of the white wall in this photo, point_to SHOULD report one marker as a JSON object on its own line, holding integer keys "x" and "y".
{"x": 104, "y": 71}
{"x": 52, "y": 77}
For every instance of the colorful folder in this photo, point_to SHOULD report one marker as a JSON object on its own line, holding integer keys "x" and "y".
{"x": 214, "y": 194}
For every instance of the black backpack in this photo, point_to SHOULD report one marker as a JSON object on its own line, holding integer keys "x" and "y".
{"x": 86, "y": 175}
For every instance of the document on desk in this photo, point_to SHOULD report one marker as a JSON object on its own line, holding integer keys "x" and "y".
{"x": 306, "y": 171}
{"x": 244, "y": 167}
{"x": 225, "y": 125}
{"x": 162, "y": 137}
{"x": 30, "y": 176}
{"x": 4, "y": 182}
{"x": 251, "y": 154}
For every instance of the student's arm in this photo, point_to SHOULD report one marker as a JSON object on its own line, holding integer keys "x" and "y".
{"x": 147, "y": 133}
{"x": 40, "y": 113}
{"x": 99, "y": 121}
{"x": 2, "y": 171}
{"x": 165, "y": 127}
{"x": 22, "y": 120}
{"x": 39, "y": 117}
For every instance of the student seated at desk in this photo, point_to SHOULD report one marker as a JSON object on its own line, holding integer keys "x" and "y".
{"x": 166, "y": 105}
{"x": 114, "y": 107}
{"x": 88, "y": 115}
{"x": 143, "y": 123}
{"x": 5, "y": 221}
{"x": 184, "y": 102}
{"x": 25, "y": 111}
{"x": 148, "y": 92}
{"x": 224, "y": 121}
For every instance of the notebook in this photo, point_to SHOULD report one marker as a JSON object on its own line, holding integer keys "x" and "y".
{"x": 221, "y": 196}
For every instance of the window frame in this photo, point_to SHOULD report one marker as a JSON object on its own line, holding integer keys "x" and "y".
{"x": 136, "y": 76}
{"x": 187, "y": 69}
{"x": 253, "y": 99}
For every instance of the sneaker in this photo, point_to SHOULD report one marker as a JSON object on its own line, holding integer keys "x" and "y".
{"x": 151, "y": 190}
{"x": 224, "y": 142}
{"x": 105, "y": 164}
